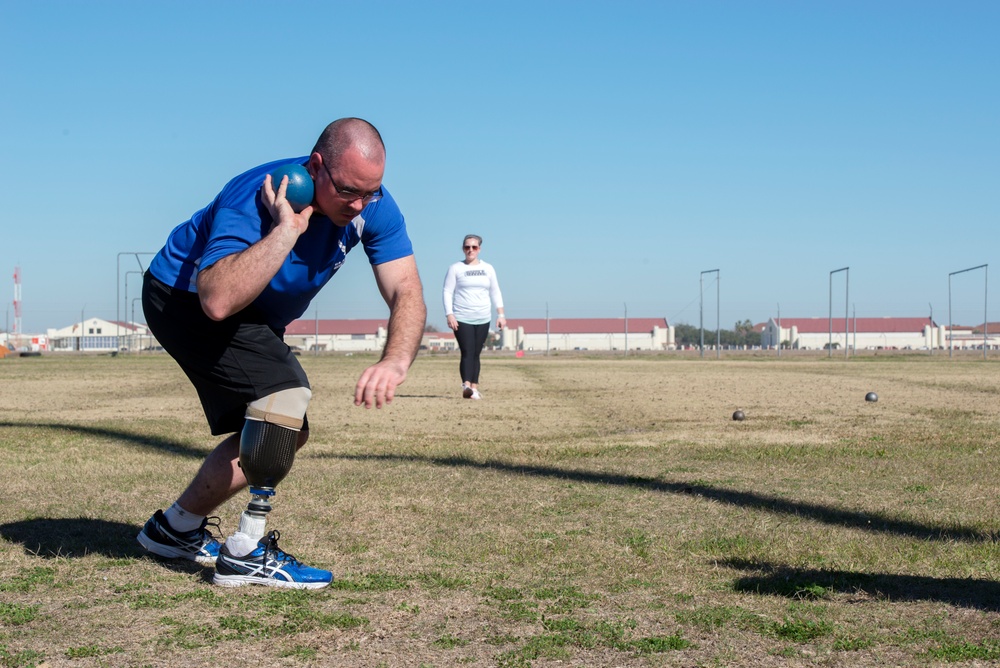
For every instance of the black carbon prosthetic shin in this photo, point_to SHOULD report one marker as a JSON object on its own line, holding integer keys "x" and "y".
{"x": 266, "y": 453}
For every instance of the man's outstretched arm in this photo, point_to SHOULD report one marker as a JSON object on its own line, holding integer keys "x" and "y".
{"x": 399, "y": 283}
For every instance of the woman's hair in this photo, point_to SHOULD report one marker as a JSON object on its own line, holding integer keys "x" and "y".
{"x": 479, "y": 239}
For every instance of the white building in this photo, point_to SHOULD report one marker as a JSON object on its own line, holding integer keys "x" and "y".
{"x": 439, "y": 341}
{"x": 99, "y": 335}
{"x": 858, "y": 333}
{"x": 355, "y": 336}
{"x": 337, "y": 335}
{"x": 587, "y": 334}
{"x": 973, "y": 338}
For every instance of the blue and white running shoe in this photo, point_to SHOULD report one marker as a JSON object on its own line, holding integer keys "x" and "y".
{"x": 199, "y": 545}
{"x": 269, "y": 566}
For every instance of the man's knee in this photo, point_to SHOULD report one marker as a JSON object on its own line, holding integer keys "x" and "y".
{"x": 271, "y": 435}
{"x": 286, "y": 408}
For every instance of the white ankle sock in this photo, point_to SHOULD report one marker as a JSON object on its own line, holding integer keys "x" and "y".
{"x": 182, "y": 520}
{"x": 240, "y": 544}
{"x": 252, "y": 525}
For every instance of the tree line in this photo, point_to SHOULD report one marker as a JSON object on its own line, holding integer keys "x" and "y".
{"x": 742, "y": 334}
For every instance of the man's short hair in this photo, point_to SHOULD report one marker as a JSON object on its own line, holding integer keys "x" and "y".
{"x": 346, "y": 133}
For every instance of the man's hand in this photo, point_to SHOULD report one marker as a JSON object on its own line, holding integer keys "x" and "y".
{"x": 281, "y": 211}
{"x": 377, "y": 385}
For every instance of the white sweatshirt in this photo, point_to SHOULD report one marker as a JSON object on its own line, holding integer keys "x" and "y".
{"x": 468, "y": 291}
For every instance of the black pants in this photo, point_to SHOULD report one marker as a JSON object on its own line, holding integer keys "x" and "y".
{"x": 471, "y": 339}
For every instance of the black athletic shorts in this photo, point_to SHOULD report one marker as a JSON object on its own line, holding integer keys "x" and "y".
{"x": 230, "y": 363}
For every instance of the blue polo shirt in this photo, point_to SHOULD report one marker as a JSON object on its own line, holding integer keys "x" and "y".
{"x": 236, "y": 219}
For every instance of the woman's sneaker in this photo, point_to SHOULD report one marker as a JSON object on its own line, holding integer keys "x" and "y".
{"x": 269, "y": 566}
{"x": 198, "y": 545}
{"x": 467, "y": 392}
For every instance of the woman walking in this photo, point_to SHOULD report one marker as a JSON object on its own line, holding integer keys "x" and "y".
{"x": 470, "y": 290}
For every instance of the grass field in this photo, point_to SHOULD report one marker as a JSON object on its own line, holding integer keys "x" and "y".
{"x": 587, "y": 512}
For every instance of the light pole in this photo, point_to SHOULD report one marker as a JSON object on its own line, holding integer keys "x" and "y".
{"x": 118, "y": 288}
{"x": 779, "y": 332}
{"x": 701, "y": 311}
{"x": 546, "y": 329}
{"x": 626, "y": 330}
{"x": 951, "y": 335}
{"x": 127, "y": 274}
{"x": 847, "y": 287}
{"x": 930, "y": 344}
{"x": 134, "y": 300}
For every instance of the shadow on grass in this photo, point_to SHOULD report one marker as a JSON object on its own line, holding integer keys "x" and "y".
{"x": 76, "y": 537}
{"x": 852, "y": 519}
{"x": 792, "y": 582}
{"x": 130, "y": 438}
{"x": 81, "y": 536}
{"x": 426, "y": 396}
{"x": 70, "y": 537}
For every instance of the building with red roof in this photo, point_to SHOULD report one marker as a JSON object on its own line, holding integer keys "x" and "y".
{"x": 354, "y": 336}
{"x": 337, "y": 335}
{"x": 857, "y": 333}
{"x": 587, "y": 334}
{"x": 520, "y": 334}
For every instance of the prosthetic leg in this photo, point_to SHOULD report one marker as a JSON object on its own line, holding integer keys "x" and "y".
{"x": 267, "y": 450}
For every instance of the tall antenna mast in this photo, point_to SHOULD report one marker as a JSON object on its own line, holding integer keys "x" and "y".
{"x": 17, "y": 307}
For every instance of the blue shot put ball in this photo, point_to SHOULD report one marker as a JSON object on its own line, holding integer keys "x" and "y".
{"x": 300, "y": 190}
{"x": 871, "y": 397}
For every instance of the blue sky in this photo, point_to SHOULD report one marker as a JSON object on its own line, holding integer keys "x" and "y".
{"x": 607, "y": 152}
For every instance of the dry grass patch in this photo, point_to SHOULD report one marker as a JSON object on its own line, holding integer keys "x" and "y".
{"x": 590, "y": 511}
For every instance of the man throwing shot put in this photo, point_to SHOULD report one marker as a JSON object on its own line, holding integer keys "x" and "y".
{"x": 218, "y": 297}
